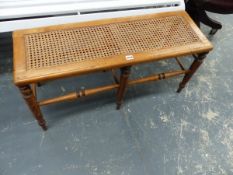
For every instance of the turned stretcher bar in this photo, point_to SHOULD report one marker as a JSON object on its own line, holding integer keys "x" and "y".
{"x": 88, "y": 92}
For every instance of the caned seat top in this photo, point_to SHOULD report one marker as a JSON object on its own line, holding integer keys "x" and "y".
{"x": 72, "y": 49}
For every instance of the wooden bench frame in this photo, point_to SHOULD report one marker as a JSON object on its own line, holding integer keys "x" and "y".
{"x": 27, "y": 82}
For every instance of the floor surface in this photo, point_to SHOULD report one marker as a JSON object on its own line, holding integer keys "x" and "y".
{"x": 157, "y": 131}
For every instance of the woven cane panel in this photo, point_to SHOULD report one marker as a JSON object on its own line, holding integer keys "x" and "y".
{"x": 87, "y": 43}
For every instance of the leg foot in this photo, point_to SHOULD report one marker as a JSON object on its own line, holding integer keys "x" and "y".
{"x": 43, "y": 126}
{"x": 118, "y": 106}
{"x": 180, "y": 88}
{"x": 213, "y": 31}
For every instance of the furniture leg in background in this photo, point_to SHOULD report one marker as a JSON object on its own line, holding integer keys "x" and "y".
{"x": 197, "y": 10}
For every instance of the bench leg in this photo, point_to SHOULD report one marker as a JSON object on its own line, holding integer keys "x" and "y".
{"x": 193, "y": 68}
{"x": 33, "y": 105}
{"x": 125, "y": 72}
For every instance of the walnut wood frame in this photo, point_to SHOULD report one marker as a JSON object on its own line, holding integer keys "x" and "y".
{"x": 27, "y": 81}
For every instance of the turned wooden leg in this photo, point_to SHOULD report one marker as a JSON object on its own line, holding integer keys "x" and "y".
{"x": 193, "y": 68}
{"x": 205, "y": 19}
{"x": 33, "y": 105}
{"x": 125, "y": 72}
